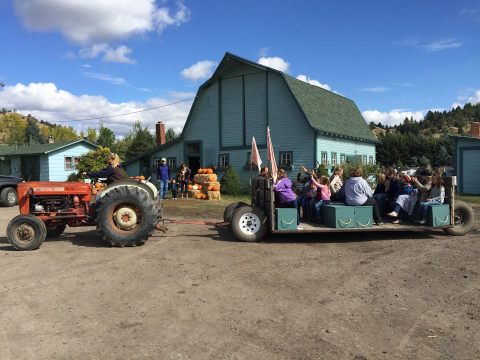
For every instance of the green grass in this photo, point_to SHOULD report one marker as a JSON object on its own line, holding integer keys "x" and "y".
{"x": 473, "y": 200}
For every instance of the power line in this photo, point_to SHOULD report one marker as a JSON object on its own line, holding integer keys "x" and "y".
{"x": 123, "y": 114}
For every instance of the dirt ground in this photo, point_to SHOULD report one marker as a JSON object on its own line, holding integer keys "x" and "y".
{"x": 195, "y": 293}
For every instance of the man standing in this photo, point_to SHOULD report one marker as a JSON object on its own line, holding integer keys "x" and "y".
{"x": 163, "y": 176}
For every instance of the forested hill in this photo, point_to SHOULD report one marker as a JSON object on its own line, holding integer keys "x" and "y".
{"x": 424, "y": 142}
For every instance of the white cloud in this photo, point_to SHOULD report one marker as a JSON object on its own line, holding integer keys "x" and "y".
{"x": 314, "y": 82}
{"x": 119, "y": 54}
{"x": 263, "y": 52}
{"x": 473, "y": 99}
{"x": 375, "y": 89}
{"x": 275, "y": 62}
{"x": 46, "y": 102}
{"x": 442, "y": 44}
{"x": 200, "y": 70}
{"x": 432, "y": 46}
{"x": 90, "y": 22}
{"x": 106, "y": 77}
{"x": 392, "y": 117}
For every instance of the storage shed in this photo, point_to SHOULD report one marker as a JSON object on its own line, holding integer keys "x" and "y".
{"x": 309, "y": 125}
{"x": 467, "y": 161}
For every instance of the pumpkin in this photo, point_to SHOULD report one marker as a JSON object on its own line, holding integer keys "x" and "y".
{"x": 199, "y": 171}
{"x": 141, "y": 177}
{"x": 195, "y": 187}
{"x": 212, "y": 177}
{"x": 190, "y": 187}
{"x": 216, "y": 188}
{"x": 198, "y": 196}
{"x": 199, "y": 187}
{"x": 98, "y": 185}
{"x": 210, "y": 188}
{"x": 209, "y": 171}
{"x": 204, "y": 197}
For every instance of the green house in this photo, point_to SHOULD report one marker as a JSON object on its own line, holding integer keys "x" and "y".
{"x": 309, "y": 125}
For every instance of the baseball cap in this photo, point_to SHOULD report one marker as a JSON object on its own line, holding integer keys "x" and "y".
{"x": 163, "y": 159}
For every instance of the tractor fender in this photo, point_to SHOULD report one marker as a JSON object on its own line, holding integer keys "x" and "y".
{"x": 130, "y": 183}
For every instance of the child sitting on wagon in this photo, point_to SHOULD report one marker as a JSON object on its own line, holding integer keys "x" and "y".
{"x": 437, "y": 197}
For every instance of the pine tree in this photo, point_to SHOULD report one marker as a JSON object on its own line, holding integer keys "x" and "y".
{"x": 32, "y": 132}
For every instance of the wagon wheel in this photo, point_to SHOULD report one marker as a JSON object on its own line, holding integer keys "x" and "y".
{"x": 26, "y": 232}
{"x": 463, "y": 219}
{"x": 249, "y": 223}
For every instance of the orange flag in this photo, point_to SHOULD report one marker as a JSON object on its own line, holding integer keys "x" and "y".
{"x": 255, "y": 155}
{"x": 271, "y": 156}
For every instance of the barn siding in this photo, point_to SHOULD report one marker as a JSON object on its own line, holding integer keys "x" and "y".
{"x": 232, "y": 111}
{"x": 342, "y": 146}
{"x": 256, "y": 108}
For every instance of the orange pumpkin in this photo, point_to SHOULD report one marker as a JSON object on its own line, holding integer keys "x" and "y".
{"x": 216, "y": 188}
{"x": 209, "y": 171}
{"x": 210, "y": 188}
{"x": 204, "y": 196}
{"x": 212, "y": 177}
{"x": 199, "y": 171}
{"x": 198, "y": 196}
{"x": 141, "y": 177}
{"x": 190, "y": 186}
{"x": 199, "y": 187}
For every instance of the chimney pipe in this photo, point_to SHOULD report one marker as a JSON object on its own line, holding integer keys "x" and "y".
{"x": 475, "y": 129}
{"x": 160, "y": 133}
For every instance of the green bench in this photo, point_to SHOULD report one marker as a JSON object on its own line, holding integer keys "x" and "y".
{"x": 438, "y": 215}
{"x": 341, "y": 216}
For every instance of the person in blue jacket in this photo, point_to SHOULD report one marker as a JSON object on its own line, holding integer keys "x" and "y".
{"x": 163, "y": 176}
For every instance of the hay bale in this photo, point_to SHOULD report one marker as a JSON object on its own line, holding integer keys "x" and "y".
{"x": 213, "y": 195}
{"x": 203, "y": 178}
{"x": 191, "y": 193}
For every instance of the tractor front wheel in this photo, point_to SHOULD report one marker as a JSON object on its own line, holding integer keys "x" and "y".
{"x": 26, "y": 232}
{"x": 126, "y": 216}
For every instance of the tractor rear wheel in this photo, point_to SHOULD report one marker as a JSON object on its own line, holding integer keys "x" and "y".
{"x": 26, "y": 232}
{"x": 54, "y": 231}
{"x": 126, "y": 216}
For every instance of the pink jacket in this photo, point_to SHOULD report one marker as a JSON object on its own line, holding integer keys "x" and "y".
{"x": 324, "y": 193}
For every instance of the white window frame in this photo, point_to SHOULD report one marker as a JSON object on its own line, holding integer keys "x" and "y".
{"x": 343, "y": 158}
{"x": 334, "y": 158}
{"x": 324, "y": 157}
{"x": 286, "y": 158}
{"x": 172, "y": 162}
{"x": 72, "y": 165}
{"x": 370, "y": 159}
{"x": 223, "y": 160}
{"x": 364, "y": 159}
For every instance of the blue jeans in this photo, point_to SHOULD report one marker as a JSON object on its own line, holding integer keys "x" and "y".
{"x": 318, "y": 206}
{"x": 163, "y": 189}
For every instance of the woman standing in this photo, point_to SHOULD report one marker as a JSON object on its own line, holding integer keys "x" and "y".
{"x": 184, "y": 178}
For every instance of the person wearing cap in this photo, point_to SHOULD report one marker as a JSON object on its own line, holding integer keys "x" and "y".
{"x": 163, "y": 176}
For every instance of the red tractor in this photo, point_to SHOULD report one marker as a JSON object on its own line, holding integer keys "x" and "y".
{"x": 125, "y": 212}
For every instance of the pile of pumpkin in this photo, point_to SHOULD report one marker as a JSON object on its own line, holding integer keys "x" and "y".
{"x": 205, "y": 186}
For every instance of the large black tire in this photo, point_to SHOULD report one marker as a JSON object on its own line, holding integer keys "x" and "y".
{"x": 228, "y": 212}
{"x": 55, "y": 231}
{"x": 464, "y": 219}
{"x": 26, "y": 232}
{"x": 126, "y": 216}
{"x": 249, "y": 223}
{"x": 8, "y": 196}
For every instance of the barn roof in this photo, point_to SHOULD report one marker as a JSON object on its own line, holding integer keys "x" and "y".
{"x": 328, "y": 113}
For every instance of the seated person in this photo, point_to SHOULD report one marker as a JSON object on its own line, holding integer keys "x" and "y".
{"x": 113, "y": 171}
{"x": 336, "y": 183}
{"x": 405, "y": 201}
{"x": 323, "y": 194}
{"x": 437, "y": 197}
{"x": 286, "y": 196}
{"x": 359, "y": 193}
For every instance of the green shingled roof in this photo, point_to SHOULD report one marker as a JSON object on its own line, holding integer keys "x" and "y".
{"x": 329, "y": 113}
{"x": 38, "y": 148}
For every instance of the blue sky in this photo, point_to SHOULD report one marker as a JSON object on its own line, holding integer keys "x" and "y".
{"x": 64, "y": 62}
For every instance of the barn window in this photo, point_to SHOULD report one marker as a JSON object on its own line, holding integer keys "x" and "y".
{"x": 370, "y": 160}
{"x": 157, "y": 162}
{"x": 324, "y": 158}
{"x": 172, "y": 162}
{"x": 223, "y": 160}
{"x": 71, "y": 162}
{"x": 286, "y": 158}
{"x": 364, "y": 159}
{"x": 343, "y": 158}
{"x": 334, "y": 159}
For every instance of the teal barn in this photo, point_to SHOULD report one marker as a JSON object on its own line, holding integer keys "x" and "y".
{"x": 309, "y": 125}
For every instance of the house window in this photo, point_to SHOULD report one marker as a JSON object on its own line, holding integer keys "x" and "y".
{"x": 172, "y": 162}
{"x": 71, "y": 163}
{"x": 334, "y": 159}
{"x": 324, "y": 158}
{"x": 364, "y": 159}
{"x": 343, "y": 158}
{"x": 223, "y": 160}
{"x": 156, "y": 162}
{"x": 370, "y": 160}
{"x": 286, "y": 158}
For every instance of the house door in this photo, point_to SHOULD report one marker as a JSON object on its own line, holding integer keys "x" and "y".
{"x": 30, "y": 166}
{"x": 193, "y": 154}
{"x": 194, "y": 163}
